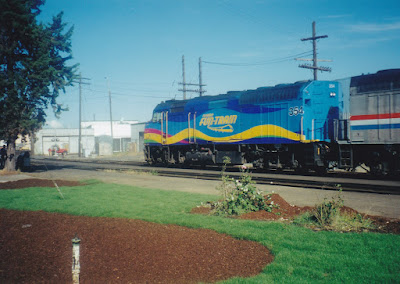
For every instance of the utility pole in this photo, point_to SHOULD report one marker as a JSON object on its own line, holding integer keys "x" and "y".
{"x": 184, "y": 84}
{"x": 200, "y": 79}
{"x": 111, "y": 120}
{"x": 315, "y": 60}
{"x": 183, "y": 77}
{"x": 80, "y": 113}
{"x": 80, "y": 117}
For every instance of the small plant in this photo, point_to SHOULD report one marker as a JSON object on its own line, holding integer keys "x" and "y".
{"x": 109, "y": 170}
{"x": 326, "y": 212}
{"x": 226, "y": 186}
{"x": 305, "y": 220}
{"x": 350, "y": 221}
{"x": 240, "y": 196}
{"x": 329, "y": 215}
{"x": 154, "y": 173}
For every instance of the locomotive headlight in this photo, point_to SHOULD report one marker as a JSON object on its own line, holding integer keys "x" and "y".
{"x": 332, "y": 94}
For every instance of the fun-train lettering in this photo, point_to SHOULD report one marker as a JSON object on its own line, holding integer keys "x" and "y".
{"x": 210, "y": 120}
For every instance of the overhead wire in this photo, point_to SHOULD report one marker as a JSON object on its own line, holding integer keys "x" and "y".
{"x": 251, "y": 15}
{"x": 266, "y": 62}
{"x": 125, "y": 94}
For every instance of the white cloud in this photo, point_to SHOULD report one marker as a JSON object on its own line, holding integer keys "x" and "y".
{"x": 336, "y": 16}
{"x": 366, "y": 28}
{"x": 364, "y": 42}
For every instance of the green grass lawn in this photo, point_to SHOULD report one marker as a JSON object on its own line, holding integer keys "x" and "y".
{"x": 301, "y": 255}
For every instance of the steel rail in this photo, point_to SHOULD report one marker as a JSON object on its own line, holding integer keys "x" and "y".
{"x": 308, "y": 181}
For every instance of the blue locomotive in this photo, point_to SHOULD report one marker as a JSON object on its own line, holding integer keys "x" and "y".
{"x": 306, "y": 125}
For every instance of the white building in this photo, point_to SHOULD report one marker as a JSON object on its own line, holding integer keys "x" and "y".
{"x": 137, "y": 131}
{"x": 102, "y": 131}
{"x": 68, "y": 139}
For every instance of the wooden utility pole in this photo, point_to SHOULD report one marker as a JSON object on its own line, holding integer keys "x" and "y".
{"x": 315, "y": 60}
{"x": 80, "y": 117}
{"x": 200, "y": 79}
{"x": 80, "y": 113}
{"x": 183, "y": 77}
{"x": 111, "y": 120}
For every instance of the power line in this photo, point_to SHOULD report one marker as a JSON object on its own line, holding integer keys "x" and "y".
{"x": 125, "y": 94}
{"x": 148, "y": 90}
{"x": 251, "y": 16}
{"x": 266, "y": 62}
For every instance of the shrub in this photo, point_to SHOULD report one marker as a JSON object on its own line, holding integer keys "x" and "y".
{"x": 240, "y": 196}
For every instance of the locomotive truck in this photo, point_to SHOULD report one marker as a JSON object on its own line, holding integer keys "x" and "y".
{"x": 315, "y": 125}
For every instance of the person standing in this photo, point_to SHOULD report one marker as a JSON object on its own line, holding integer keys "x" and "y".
{"x": 3, "y": 156}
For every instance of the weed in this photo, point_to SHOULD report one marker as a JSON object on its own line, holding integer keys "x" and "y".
{"x": 304, "y": 220}
{"x": 226, "y": 186}
{"x": 109, "y": 170}
{"x": 329, "y": 216}
{"x": 328, "y": 210}
{"x": 350, "y": 221}
{"x": 153, "y": 173}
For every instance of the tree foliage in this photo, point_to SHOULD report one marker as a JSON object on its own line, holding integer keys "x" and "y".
{"x": 33, "y": 67}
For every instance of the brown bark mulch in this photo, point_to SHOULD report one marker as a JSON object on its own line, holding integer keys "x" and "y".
{"x": 35, "y": 247}
{"x": 287, "y": 212}
{"x": 23, "y": 183}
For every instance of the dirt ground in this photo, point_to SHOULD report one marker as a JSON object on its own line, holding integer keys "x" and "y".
{"x": 23, "y": 183}
{"x": 36, "y": 247}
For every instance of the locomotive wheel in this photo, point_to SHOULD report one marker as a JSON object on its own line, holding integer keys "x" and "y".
{"x": 379, "y": 168}
{"x": 151, "y": 161}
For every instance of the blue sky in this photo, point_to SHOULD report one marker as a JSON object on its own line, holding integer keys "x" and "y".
{"x": 138, "y": 45}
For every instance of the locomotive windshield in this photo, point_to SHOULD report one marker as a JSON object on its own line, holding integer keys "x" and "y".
{"x": 156, "y": 117}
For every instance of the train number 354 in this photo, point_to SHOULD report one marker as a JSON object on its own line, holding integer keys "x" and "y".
{"x": 293, "y": 111}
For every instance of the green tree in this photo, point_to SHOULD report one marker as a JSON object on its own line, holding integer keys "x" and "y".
{"x": 33, "y": 69}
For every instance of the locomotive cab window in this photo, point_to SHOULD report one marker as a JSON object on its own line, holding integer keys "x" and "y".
{"x": 156, "y": 117}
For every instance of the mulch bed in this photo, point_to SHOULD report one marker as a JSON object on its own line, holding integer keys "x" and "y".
{"x": 36, "y": 247}
{"x": 23, "y": 183}
{"x": 287, "y": 212}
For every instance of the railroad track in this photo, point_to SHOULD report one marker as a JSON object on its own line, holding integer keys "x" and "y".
{"x": 328, "y": 182}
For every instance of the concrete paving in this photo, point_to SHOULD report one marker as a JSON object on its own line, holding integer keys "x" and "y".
{"x": 12, "y": 177}
{"x": 373, "y": 204}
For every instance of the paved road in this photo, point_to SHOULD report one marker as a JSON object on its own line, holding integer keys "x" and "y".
{"x": 374, "y": 204}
